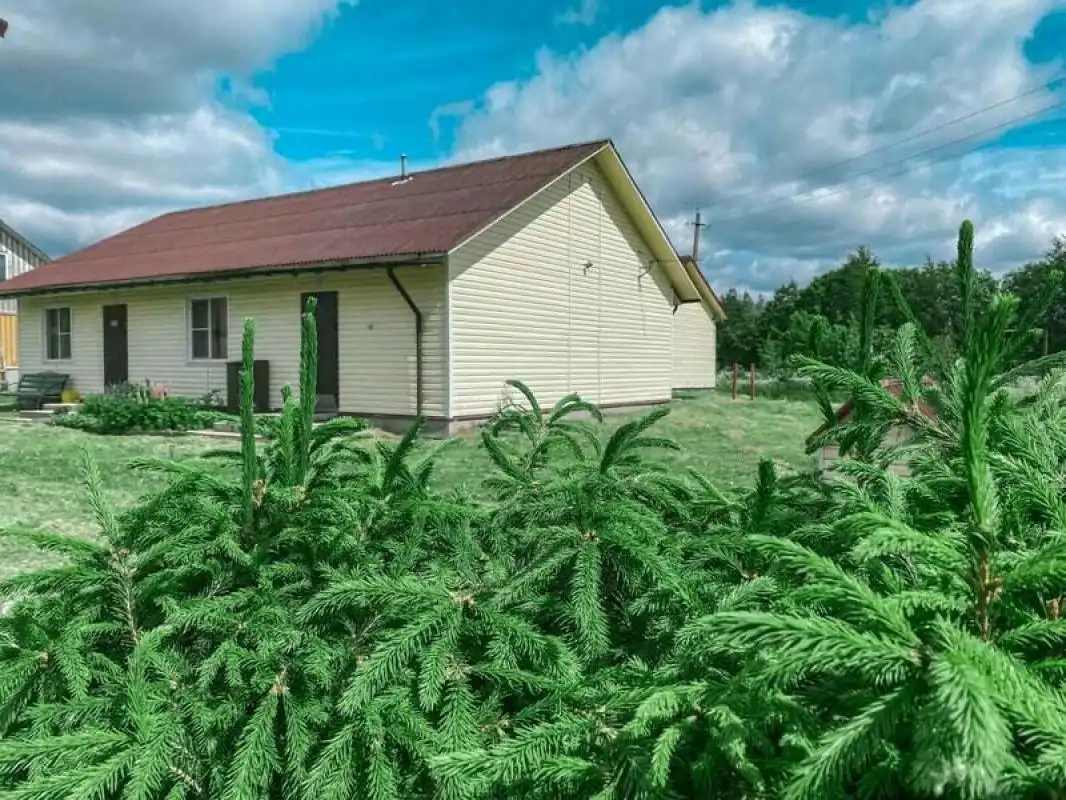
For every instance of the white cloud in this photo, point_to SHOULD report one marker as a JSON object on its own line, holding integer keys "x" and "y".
{"x": 728, "y": 109}
{"x": 459, "y": 108}
{"x": 91, "y": 177}
{"x": 118, "y": 110}
{"x": 584, "y": 13}
{"x": 112, "y": 108}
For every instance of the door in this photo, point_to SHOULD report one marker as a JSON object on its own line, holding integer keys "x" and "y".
{"x": 116, "y": 346}
{"x": 329, "y": 356}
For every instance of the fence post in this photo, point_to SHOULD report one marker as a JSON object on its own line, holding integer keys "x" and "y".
{"x": 751, "y": 381}
{"x": 736, "y": 377}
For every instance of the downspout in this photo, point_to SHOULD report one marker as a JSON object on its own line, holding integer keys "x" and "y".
{"x": 418, "y": 338}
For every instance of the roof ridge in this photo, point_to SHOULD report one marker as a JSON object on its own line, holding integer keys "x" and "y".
{"x": 331, "y": 207}
{"x": 331, "y": 229}
{"x": 382, "y": 179}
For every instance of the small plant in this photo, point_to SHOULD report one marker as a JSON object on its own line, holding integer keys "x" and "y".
{"x": 212, "y": 400}
{"x": 144, "y": 408}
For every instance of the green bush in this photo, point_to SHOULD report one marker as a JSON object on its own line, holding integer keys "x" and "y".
{"x": 138, "y": 409}
{"x": 316, "y": 621}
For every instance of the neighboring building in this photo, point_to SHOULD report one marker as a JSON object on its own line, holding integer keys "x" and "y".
{"x": 433, "y": 289}
{"x": 17, "y": 255}
{"x": 695, "y": 342}
{"x": 898, "y": 435}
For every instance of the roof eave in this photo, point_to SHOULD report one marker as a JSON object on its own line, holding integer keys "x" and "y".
{"x": 339, "y": 265}
{"x": 707, "y": 295}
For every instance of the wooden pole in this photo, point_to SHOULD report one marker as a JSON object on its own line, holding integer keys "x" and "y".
{"x": 751, "y": 381}
{"x": 736, "y": 377}
{"x": 697, "y": 225}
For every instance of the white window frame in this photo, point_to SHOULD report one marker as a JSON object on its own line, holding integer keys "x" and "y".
{"x": 69, "y": 334}
{"x": 4, "y": 259}
{"x": 209, "y": 298}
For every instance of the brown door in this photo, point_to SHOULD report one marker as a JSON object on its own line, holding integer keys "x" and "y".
{"x": 116, "y": 346}
{"x": 327, "y": 323}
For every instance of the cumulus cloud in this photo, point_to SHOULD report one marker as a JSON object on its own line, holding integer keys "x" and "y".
{"x": 732, "y": 110}
{"x": 459, "y": 108}
{"x": 584, "y": 13}
{"x": 115, "y": 108}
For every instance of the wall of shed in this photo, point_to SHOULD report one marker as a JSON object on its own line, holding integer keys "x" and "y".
{"x": 18, "y": 258}
{"x": 376, "y": 333}
{"x": 695, "y": 347}
{"x": 558, "y": 294}
{"x": 896, "y": 437}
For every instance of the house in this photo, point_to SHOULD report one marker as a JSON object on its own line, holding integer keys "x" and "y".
{"x": 17, "y": 255}
{"x": 433, "y": 288}
{"x": 899, "y": 434}
{"x": 695, "y": 343}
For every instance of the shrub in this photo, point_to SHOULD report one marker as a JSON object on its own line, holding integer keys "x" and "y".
{"x": 143, "y": 408}
{"x": 317, "y": 621}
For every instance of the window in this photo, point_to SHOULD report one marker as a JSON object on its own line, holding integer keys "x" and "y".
{"x": 57, "y": 334}
{"x": 3, "y": 266}
{"x": 208, "y": 328}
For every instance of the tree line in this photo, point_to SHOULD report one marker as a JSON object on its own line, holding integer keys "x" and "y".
{"x": 821, "y": 320}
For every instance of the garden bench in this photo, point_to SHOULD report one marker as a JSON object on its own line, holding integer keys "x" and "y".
{"x": 36, "y": 389}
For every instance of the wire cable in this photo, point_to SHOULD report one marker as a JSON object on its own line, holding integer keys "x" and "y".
{"x": 844, "y": 185}
{"x": 1049, "y": 85}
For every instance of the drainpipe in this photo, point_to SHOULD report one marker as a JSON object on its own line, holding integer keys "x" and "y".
{"x": 418, "y": 337}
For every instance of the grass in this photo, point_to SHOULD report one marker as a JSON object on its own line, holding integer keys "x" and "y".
{"x": 721, "y": 438}
{"x": 40, "y": 465}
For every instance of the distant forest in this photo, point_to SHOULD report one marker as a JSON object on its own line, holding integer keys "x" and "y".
{"x": 821, "y": 319}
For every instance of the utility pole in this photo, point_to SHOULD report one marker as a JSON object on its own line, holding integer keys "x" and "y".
{"x": 697, "y": 225}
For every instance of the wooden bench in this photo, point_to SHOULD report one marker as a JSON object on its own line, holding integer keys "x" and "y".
{"x": 36, "y": 389}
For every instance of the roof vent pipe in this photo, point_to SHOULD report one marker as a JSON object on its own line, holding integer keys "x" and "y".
{"x": 404, "y": 177}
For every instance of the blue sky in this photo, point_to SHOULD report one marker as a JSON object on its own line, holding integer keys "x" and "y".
{"x": 124, "y": 109}
{"x": 378, "y": 79}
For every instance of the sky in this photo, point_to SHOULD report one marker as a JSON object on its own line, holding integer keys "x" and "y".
{"x": 801, "y": 129}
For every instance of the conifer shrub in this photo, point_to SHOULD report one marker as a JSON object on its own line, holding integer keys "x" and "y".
{"x": 316, "y": 620}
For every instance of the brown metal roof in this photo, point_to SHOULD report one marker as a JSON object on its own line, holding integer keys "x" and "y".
{"x": 430, "y": 213}
{"x": 894, "y": 386}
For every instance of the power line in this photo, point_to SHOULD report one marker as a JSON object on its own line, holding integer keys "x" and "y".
{"x": 806, "y": 197}
{"x": 1052, "y": 84}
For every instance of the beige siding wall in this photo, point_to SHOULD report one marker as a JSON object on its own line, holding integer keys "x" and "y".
{"x": 16, "y": 257}
{"x": 695, "y": 348}
{"x": 557, "y": 294}
{"x": 377, "y": 339}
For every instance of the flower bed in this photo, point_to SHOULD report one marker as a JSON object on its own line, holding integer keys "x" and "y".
{"x": 141, "y": 408}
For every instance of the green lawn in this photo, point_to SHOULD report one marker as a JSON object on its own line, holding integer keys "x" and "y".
{"x": 40, "y": 465}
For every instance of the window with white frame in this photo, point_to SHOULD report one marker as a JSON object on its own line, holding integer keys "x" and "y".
{"x": 3, "y": 266}
{"x": 57, "y": 334}
{"x": 208, "y": 328}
